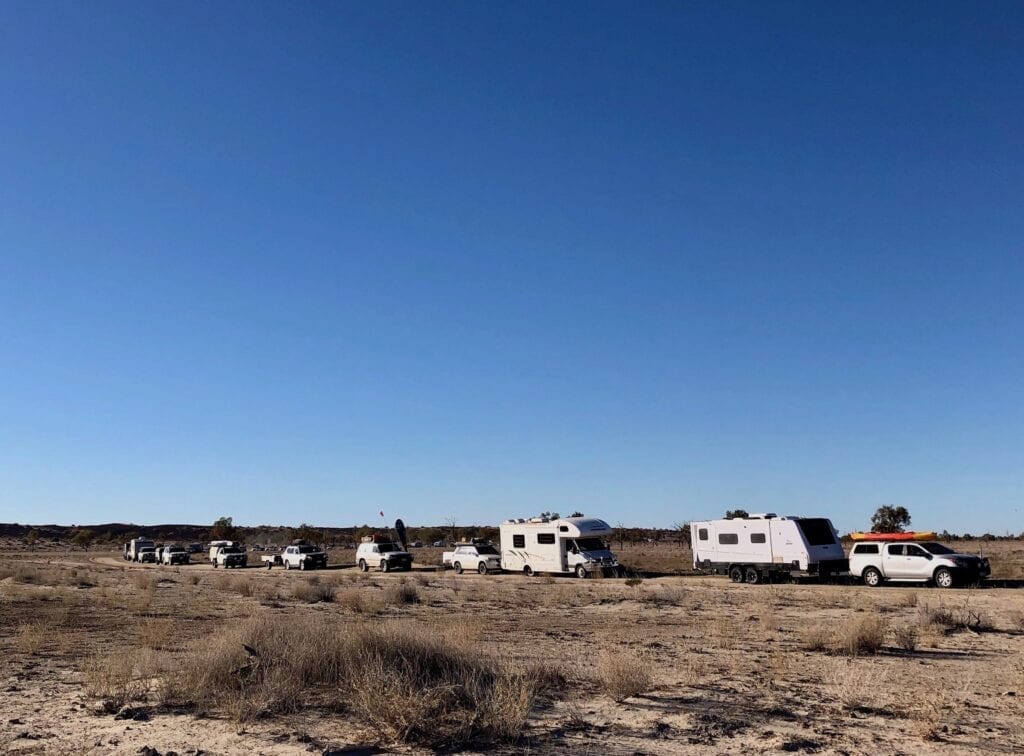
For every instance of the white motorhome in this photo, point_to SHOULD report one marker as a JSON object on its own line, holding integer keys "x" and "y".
{"x": 574, "y": 545}
{"x": 765, "y": 546}
{"x": 132, "y": 548}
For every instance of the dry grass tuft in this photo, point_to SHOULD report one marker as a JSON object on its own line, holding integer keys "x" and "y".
{"x": 406, "y": 682}
{"x": 906, "y": 637}
{"x": 113, "y": 678}
{"x": 623, "y": 674}
{"x": 156, "y": 633}
{"x": 817, "y": 638}
{"x": 312, "y": 591}
{"x": 401, "y": 593}
{"x": 865, "y": 635}
{"x": 355, "y": 601}
{"x": 31, "y": 637}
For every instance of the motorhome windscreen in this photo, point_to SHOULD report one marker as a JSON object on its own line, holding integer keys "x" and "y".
{"x": 817, "y": 531}
{"x": 590, "y": 544}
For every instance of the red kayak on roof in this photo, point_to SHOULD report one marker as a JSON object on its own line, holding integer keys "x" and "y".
{"x": 928, "y": 535}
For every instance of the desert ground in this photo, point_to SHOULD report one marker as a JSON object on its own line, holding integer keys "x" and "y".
{"x": 102, "y": 656}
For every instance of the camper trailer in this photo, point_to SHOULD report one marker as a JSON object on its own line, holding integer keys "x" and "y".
{"x": 132, "y": 549}
{"x": 574, "y": 545}
{"x": 763, "y": 547}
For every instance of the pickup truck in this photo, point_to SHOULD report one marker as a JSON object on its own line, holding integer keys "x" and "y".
{"x": 874, "y": 562}
{"x": 479, "y": 556}
{"x": 228, "y": 556}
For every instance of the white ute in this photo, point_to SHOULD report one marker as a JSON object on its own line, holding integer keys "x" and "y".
{"x": 874, "y": 562}
{"x": 477, "y": 555}
{"x": 569, "y": 546}
{"x": 765, "y": 546}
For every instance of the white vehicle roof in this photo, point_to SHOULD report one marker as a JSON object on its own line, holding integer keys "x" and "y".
{"x": 575, "y": 527}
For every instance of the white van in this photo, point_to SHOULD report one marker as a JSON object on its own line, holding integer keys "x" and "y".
{"x": 765, "y": 546}
{"x": 574, "y": 545}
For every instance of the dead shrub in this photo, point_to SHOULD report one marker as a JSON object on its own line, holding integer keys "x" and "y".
{"x": 144, "y": 582}
{"x": 909, "y": 599}
{"x": 194, "y": 579}
{"x": 355, "y": 601}
{"x": 858, "y": 685}
{"x": 953, "y": 618}
{"x": 243, "y": 586}
{"x": 31, "y": 637}
{"x": 113, "y": 678}
{"x": 865, "y": 635}
{"x": 312, "y": 591}
{"x": 817, "y": 638}
{"x": 401, "y": 593}
{"x": 155, "y": 633}
{"x": 623, "y": 674}
{"x": 906, "y": 637}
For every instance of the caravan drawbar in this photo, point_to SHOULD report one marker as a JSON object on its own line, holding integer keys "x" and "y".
{"x": 765, "y": 546}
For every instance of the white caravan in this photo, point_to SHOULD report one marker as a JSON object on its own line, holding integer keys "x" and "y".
{"x": 764, "y": 546}
{"x": 574, "y": 545}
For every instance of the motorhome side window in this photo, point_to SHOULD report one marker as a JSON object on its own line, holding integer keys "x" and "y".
{"x": 546, "y": 538}
{"x": 702, "y": 534}
{"x": 757, "y": 538}
{"x": 728, "y": 539}
{"x": 518, "y": 542}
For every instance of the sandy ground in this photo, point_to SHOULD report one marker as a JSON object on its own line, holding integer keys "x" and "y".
{"x": 736, "y": 668}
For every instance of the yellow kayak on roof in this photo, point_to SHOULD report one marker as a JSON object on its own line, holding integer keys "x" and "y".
{"x": 927, "y": 535}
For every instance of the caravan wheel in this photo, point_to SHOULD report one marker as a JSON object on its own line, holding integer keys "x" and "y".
{"x": 736, "y": 574}
{"x": 528, "y": 571}
{"x": 753, "y": 576}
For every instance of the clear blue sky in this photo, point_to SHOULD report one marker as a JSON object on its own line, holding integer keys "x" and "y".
{"x": 309, "y": 261}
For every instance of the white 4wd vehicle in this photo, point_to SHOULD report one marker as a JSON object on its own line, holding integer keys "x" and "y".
{"x": 303, "y": 557}
{"x": 174, "y": 555}
{"x": 386, "y": 556}
{"x": 477, "y": 555}
{"x": 874, "y": 562}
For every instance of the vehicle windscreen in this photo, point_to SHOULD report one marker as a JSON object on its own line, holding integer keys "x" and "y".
{"x": 308, "y": 549}
{"x": 486, "y": 550}
{"x": 936, "y": 548}
{"x": 384, "y": 548}
{"x": 591, "y": 544}
{"x": 817, "y": 531}
{"x": 233, "y": 550}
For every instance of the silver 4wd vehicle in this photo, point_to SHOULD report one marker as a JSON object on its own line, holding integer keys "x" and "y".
{"x": 146, "y": 554}
{"x": 386, "y": 556}
{"x": 874, "y": 562}
{"x": 477, "y": 555}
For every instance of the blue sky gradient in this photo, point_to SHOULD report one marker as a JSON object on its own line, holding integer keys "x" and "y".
{"x": 309, "y": 261}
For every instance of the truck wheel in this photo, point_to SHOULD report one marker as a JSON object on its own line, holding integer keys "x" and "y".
{"x": 871, "y": 577}
{"x": 302, "y": 565}
{"x": 943, "y": 578}
{"x": 383, "y": 565}
{"x": 482, "y": 568}
{"x": 457, "y": 566}
{"x": 269, "y": 565}
{"x": 362, "y": 565}
{"x": 753, "y": 576}
{"x": 528, "y": 571}
{"x": 736, "y": 574}
{"x": 581, "y": 571}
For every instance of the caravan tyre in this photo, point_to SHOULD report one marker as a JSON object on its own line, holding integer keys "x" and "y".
{"x": 457, "y": 567}
{"x": 482, "y": 568}
{"x": 753, "y": 576}
{"x": 736, "y": 574}
{"x": 872, "y": 577}
{"x": 581, "y": 571}
{"x": 528, "y": 571}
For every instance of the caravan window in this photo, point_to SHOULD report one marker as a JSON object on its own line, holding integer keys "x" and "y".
{"x": 563, "y": 528}
{"x": 757, "y": 538}
{"x": 702, "y": 534}
{"x": 728, "y": 539}
{"x": 518, "y": 542}
{"x": 546, "y": 538}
